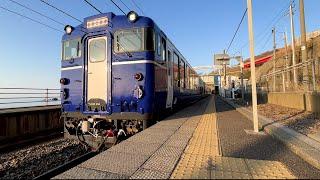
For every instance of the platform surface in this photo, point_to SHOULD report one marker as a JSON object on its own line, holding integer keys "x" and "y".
{"x": 183, "y": 146}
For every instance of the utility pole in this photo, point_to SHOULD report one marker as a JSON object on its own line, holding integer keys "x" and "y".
{"x": 274, "y": 59}
{"x": 287, "y": 56}
{"x": 304, "y": 46}
{"x": 225, "y": 71}
{"x": 253, "y": 68}
{"x": 295, "y": 77}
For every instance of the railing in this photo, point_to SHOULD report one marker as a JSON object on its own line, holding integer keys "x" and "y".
{"x": 25, "y": 97}
{"x": 282, "y": 80}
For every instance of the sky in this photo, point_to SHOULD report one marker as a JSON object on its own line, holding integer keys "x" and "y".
{"x": 30, "y": 52}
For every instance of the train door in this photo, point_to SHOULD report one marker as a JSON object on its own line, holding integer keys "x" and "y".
{"x": 170, "y": 80}
{"x": 97, "y": 79}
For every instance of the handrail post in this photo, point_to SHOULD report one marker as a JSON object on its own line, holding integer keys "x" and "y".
{"x": 47, "y": 96}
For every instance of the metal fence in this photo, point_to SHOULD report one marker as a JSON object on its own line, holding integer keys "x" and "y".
{"x": 282, "y": 75}
{"x": 302, "y": 77}
{"x": 25, "y": 97}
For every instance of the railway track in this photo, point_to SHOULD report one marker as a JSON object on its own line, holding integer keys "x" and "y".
{"x": 62, "y": 168}
{"x": 34, "y": 160}
{"x": 15, "y": 144}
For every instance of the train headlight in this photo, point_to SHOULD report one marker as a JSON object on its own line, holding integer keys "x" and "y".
{"x": 138, "y": 76}
{"x": 68, "y": 29}
{"x": 64, "y": 81}
{"x": 132, "y": 16}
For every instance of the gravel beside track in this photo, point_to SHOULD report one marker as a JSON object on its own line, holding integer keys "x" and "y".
{"x": 235, "y": 142}
{"x": 29, "y": 162}
{"x": 301, "y": 121}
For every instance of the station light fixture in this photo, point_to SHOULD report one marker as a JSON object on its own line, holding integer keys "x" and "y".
{"x": 68, "y": 29}
{"x": 132, "y": 16}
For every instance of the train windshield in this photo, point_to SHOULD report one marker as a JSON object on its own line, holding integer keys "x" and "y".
{"x": 71, "y": 49}
{"x": 133, "y": 40}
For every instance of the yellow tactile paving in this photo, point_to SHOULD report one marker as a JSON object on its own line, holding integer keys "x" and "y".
{"x": 195, "y": 161}
{"x": 201, "y": 158}
{"x": 259, "y": 168}
{"x": 228, "y": 175}
{"x": 190, "y": 173}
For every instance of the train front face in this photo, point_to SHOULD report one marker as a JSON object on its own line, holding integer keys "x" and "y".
{"x": 107, "y": 73}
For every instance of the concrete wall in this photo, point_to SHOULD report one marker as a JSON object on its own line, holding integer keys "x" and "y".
{"x": 262, "y": 98}
{"x": 302, "y": 101}
{"x": 292, "y": 100}
{"x": 26, "y": 121}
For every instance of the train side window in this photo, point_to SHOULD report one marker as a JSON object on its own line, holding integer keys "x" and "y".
{"x": 188, "y": 77}
{"x": 169, "y": 62}
{"x": 150, "y": 39}
{"x": 158, "y": 44}
{"x": 182, "y": 73}
{"x": 192, "y": 75}
{"x": 163, "y": 49}
{"x": 176, "y": 71}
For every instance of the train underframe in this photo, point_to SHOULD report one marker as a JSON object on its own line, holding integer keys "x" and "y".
{"x": 96, "y": 132}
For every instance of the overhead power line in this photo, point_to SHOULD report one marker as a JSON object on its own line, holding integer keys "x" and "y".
{"x": 138, "y": 7}
{"x": 125, "y": 5}
{"x": 273, "y": 21}
{"x": 26, "y": 7}
{"x": 48, "y": 4}
{"x": 31, "y": 19}
{"x": 266, "y": 42}
{"x": 244, "y": 14}
{"x": 118, "y": 7}
{"x": 93, "y": 6}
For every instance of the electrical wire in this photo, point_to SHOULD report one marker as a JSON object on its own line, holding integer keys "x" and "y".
{"x": 48, "y": 4}
{"x": 244, "y": 14}
{"x": 138, "y": 7}
{"x": 31, "y": 19}
{"x": 266, "y": 42}
{"x": 265, "y": 32}
{"x": 92, "y": 6}
{"x": 24, "y": 6}
{"x": 125, "y": 5}
{"x": 118, "y": 7}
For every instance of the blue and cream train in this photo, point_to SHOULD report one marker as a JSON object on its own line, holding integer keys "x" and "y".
{"x": 121, "y": 71}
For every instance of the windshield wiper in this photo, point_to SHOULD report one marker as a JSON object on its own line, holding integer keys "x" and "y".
{"x": 124, "y": 50}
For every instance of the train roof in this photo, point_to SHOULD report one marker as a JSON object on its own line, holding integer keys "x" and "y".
{"x": 116, "y": 22}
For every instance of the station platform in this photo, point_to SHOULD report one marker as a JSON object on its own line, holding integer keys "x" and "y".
{"x": 183, "y": 146}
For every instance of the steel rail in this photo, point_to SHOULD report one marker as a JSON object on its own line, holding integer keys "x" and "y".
{"x": 62, "y": 168}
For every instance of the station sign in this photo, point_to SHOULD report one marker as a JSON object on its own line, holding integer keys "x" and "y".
{"x": 221, "y": 59}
